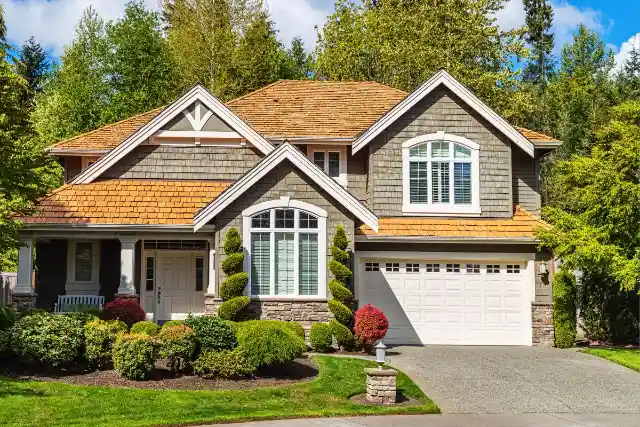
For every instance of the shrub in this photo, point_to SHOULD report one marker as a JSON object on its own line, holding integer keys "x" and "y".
{"x": 234, "y": 286}
{"x": 32, "y": 311}
{"x": 212, "y": 333}
{"x": 224, "y": 364}
{"x": 233, "y": 263}
{"x": 564, "y": 308}
{"x": 339, "y": 292}
{"x": 320, "y": 337}
{"x": 145, "y": 327}
{"x": 99, "y": 338}
{"x": 371, "y": 324}
{"x": 7, "y": 318}
{"x": 83, "y": 316}
{"x": 229, "y": 309}
{"x": 269, "y": 342}
{"x": 172, "y": 323}
{"x": 342, "y": 334}
{"x": 5, "y": 343}
{"x": 297, "y": 328}
{"x": 126, "y": 309}
{"x": 134, "y": 355}
{"x": 342, "y": 313}
{"x": 233, "y": 242}
{"x": 178, "y": 344}
{"x": 340, "y": 271}
{"x": 340, "y": 240}
{"x": 50, "y": 339}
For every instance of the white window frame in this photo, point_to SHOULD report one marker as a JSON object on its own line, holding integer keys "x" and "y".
{"x": 88, "y": 161}
{"x": 326, "y": 149}
{"x": 450, "y": 208}
{"x": 71, "y": 263}
{"x": 287, "y": 203}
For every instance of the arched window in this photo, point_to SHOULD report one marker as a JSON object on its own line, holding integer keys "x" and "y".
{"x": 441, "y": 175}
{"x": 286, "y": 249}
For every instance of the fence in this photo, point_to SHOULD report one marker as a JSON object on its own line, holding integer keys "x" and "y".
{"x": 7, "y": 284}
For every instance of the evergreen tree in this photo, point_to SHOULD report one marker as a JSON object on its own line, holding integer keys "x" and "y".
{"x": 34, "y": 67}
{"x": 298, "y": 61}
{"x": 539, "y": 18}
{"x": 629, "y": 76}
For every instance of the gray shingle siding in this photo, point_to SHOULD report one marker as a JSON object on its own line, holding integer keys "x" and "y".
{"x": 441, "y": 111}
{"x": 357, "y": 175}
{"x": 188, "y": 162}
{"x": 526, "y": 188}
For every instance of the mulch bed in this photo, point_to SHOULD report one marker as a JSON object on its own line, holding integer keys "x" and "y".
{"x": 299, "y": 370}
{"x": 401, "y": 400}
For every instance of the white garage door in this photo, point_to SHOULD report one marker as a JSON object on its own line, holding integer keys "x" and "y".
{"x": 450, "y": 302}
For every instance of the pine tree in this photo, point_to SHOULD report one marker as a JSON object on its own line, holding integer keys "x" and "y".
{"x": 630, "y": 75}
{"x": 34, "y": 67}
{"x": 298, "y": 61}
{"x": 539, "y": 18}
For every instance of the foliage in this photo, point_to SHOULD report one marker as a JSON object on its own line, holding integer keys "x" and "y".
{"x": 5, "y": 343}
{"x": 268, "y": 342}
{"x": 126, "y": 309}
{"x": 339, "y": 287}
{"x": 212, "y": 333}
{"x": 177, "y": 345}
{"x": 229, "y": 309}
{"x": 134, "y": 355}
{"x": 371, "y": 324}
{"x": 298, "y": 63}
{"x": 145, "y": 327}
{"x": 296, "y": 328}
{"x": 539, "y": 19}
{"x": 223, "y": 364}
{"x": 83, "y": 316}
{"x": 340, "y": 292}
{"x": 7, "y": 318}
{"x": 172, "y": 323}
{"x": 234, "y": 285}
{"x": 564, "y": 308}
{"x": 232, "y": 242}
{"x": 34, "y": 67}
{"x": 342, "y": 313}
{"x": 233, "y": 263}
{"x": 52, "y": 340}
{"x": 320, "y": 337}
{"x": 342, "y": 335}
{"x": 628, "y": 78}
{"x": 100, "y": 335}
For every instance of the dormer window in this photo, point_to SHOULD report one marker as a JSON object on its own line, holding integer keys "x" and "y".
{"x": 441, "y": 175}
{"x": 331, "y": 159}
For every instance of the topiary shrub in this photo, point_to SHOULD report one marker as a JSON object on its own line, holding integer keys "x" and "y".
{"x": 342, "y": 335}
{"x": 342, "y": 313}
{"x": 134, "y": 355}
{"x": 212, "y": 333}
{"x": 100, "y": 335}
{"x": 229, "y": 309}
{"x": 234, "y": 286}
{"x": 223, "y": 364}
{"x": 297, "y": 328}
{"x": 177, "y": 345}
{"x": 564, "y": 308}
{"x": 53, "y": 340}
{"x": 371, "y": 325}
{"x": 145, "y": 327}
{"x": 320, "y": 337}
{"x": 7, "y": 318}
{"x": 233, "y": 242}
{"x": 339, "y": 292}
{"x": 233, "y": 262}
{"x": 126, "y": 309}
{"x": 172, "y": 323}
{"x": 340, "y": 271}
{"x": 338, "y": 287}
{"x": 269, "y": 342}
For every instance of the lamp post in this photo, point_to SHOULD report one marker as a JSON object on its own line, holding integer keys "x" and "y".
{"x": 381, "y": 351}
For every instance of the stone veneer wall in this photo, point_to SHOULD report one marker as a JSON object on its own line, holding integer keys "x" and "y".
{"x": 23, "y": 302}
{"x": 542, "y": 324}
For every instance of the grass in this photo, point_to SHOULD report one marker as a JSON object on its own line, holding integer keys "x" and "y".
{"x": 29, "y": 403}
{"x": 622, "y": 356}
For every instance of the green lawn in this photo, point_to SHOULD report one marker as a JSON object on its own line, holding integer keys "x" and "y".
{"x": 33, "y": 403}
{"x": 622, "y": 356}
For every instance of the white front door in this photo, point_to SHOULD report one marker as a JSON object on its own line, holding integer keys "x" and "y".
{"x": 176, "y": 294}
{"x": 451, "y": 301}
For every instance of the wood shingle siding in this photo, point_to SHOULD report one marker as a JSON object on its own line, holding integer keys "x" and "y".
{"x": 526, "y": 189}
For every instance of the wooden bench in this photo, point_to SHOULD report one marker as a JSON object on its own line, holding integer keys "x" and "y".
{"x": 71, "y": 303}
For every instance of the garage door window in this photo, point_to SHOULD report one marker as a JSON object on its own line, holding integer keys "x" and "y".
{"x": 392, "y": 267}
{"x": 453, "y": 268}
{"x": 412, "y": 268}
{"x": 432, "y": 268}
{"x": 473, "y": 268}
{"x": 493, "y": 269}
{"x": 513, "y": 269}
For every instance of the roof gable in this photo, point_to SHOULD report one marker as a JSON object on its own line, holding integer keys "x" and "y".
{"x": 445, "y": 79}
{"x": 198, "y": 105}
{"x": 288, "y": 152}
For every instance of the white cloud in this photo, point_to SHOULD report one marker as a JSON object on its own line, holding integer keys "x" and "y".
{"x": 298, "y": 18}
{"x": 625, "y": 49}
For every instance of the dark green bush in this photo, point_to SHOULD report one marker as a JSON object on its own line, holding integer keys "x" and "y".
{"x": 297, "y": 328}
{"x": 339, "y": 255}
{"x": 342, "y": 334}
{"x": 233, "y": 242}
{"x": 83, "y": 316}
{"x": 134, "y": 355}
{"x": 32, "y": 311}
{"x": 340, "y": 238}
{"x": 234, "y": 286}
{"x": 178, "y": 345}
{"x": 320, "y": 337}
{"x": 342, "y": 313}
{"x": 269, "y": 342}
{"x": 145, "y": 327}
{"x": 339, "y": 292}
{"x": 223, "y": 364}
{"x": 212, "y": 333}
{"x": 229, "y": 309}
{"x": 100, "y": 335}
{"x": 7, "y": 318}
{"x": 172, "y": 323}
{"x": 340, "y": 271}
{"x": 233, "y": 263}
{"x": 564, "y": 308}
{"x": 51, "y": 339}
{"x": 5, "y": 343}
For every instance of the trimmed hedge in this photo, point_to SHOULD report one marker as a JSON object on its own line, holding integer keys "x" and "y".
{"x": 564, "y": 308}
{"x": 340, "y": 271}
{"x": 234, "y": 286}
{"x": 342, "y": 313}
{"x": 212, "y": 333}
{"x": 233, "y": 263}
{"x": 339, "y": 292}
{"x": 126, "y": 309}
{"x": 134, "y": 356}
{"x": 223, "y": 364}
{"x": 269, "y": 342}
{"x": 342, "y": 334}
{"x": 145, "y": 327}
{"x": 229, "y": 309}
{"x": 178, "y": 345}
{"x": 320, "y": 337}
{"x": 297, "y": 328}
{"x": 233, "y": 241}
{"x": 100, "y": 335}
{"x": 172, "y": 323}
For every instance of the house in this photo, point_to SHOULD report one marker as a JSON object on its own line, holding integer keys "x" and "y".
{"x": 437, "y": 192}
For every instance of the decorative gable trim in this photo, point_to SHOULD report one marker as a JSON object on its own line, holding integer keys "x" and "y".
{"x": 286, "y": 151}
{"x": 443, "y": 78}
{"x": 197, "y": 94}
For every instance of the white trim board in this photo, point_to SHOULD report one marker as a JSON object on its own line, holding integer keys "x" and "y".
{"x": 197, "y": 93}
{"x": 443, "y": 78}
{"x": 286, "y": 151}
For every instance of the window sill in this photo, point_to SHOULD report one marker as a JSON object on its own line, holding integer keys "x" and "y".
{"x": 289, "y": 298}
{"x": 434, "y": 210}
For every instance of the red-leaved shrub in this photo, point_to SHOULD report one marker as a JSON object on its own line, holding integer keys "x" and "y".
{"x": 371, "y": 324}
{"x": 126, "y": 309}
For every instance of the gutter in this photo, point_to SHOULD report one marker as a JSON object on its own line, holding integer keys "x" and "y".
{"x": 115, "y": 227}
{"x": 75, "y": 151}
{"x": 436, "y": 239}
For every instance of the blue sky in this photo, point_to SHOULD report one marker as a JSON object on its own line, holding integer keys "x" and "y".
{"x": 51, "y": 22}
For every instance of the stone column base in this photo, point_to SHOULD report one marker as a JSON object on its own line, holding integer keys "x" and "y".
{"x": 381, "y": 386}
{"x": 22, "y": 302}
{"x": 211, "y": 304}
{"x": 543, "y": 332}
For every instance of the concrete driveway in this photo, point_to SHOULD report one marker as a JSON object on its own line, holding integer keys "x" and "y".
{"x": 503, "y": 380}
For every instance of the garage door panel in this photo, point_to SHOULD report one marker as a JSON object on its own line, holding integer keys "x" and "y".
{"x": 433, "y": 284}
{"x": 473, "y": 302}
{"x": 494, "y": 286}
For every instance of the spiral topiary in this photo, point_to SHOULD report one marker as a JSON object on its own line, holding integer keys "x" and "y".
{"x": 232, "y": 288}
{"x": 341, "y": 294}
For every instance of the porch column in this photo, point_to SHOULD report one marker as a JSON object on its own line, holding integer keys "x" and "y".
{"x": 127, "y": 265}
{"x": 211, "y": 286}
{"x": 24, "y": 283}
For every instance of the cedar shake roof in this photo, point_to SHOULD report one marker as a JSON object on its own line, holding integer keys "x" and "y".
{"x": 121, "y": 201}
{"x": 522, "y": 225}
{"x": 286, "y": 109}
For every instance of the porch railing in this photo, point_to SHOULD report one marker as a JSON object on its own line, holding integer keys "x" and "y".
{"x": 7, "y": 284}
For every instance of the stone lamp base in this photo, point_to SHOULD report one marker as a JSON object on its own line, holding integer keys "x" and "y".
{"x": 381, "y": 386}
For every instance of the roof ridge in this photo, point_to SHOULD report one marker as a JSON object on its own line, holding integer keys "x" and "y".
{"x": 262, "y": 89}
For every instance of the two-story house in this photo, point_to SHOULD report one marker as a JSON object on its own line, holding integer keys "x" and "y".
{"x": 437, "y": 192}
